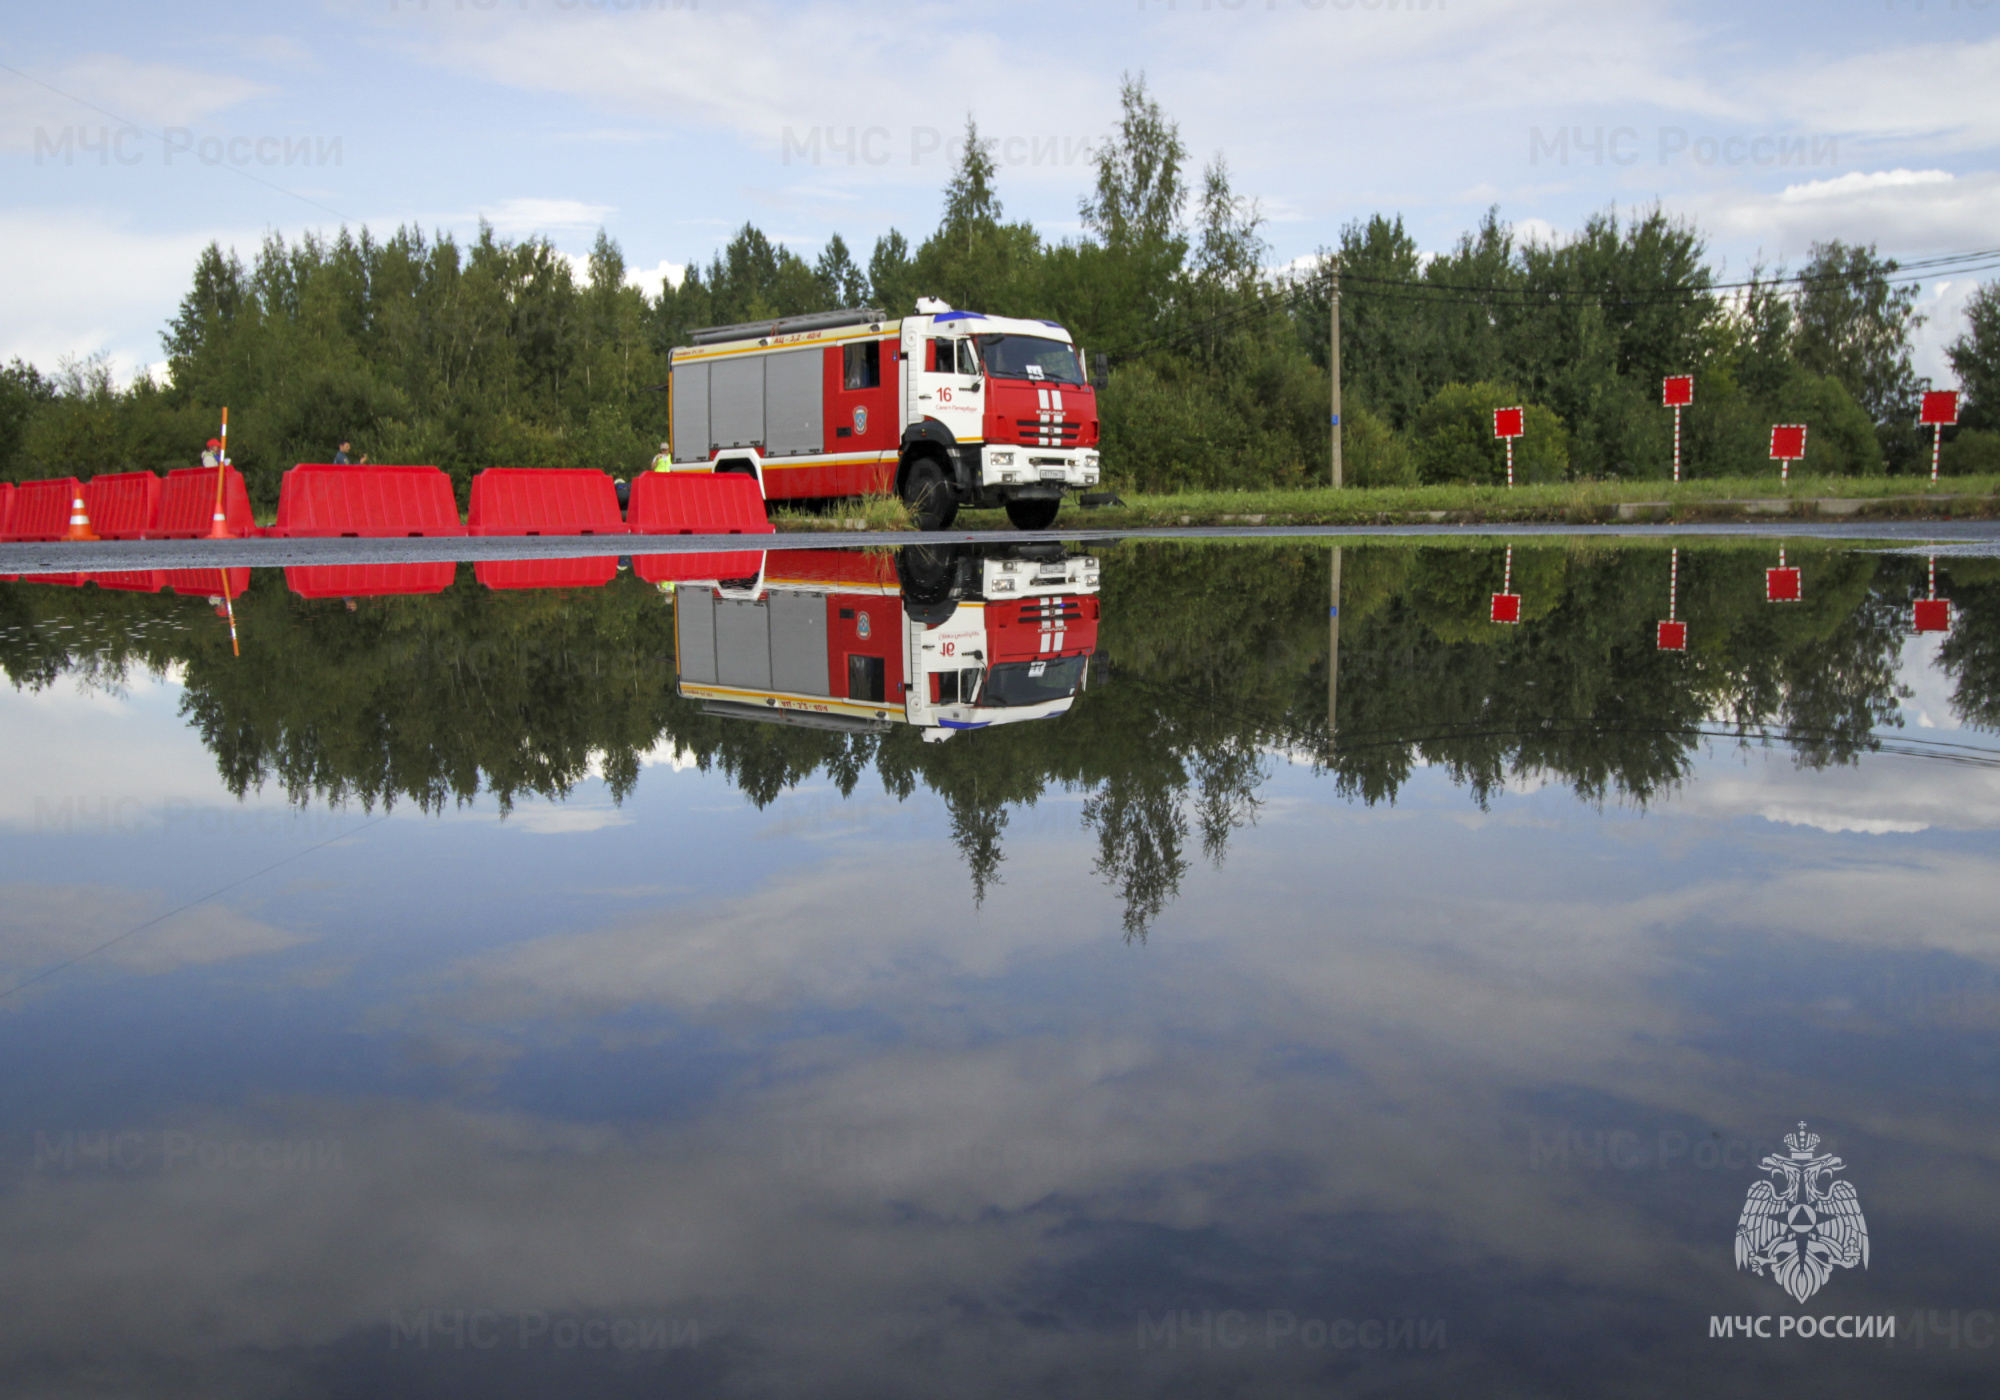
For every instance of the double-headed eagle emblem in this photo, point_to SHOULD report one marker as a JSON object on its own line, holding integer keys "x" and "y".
{"x": 1798, "y": 1229}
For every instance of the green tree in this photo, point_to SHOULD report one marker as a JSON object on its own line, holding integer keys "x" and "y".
{"x": 1453, "y": 438}
{"x": 1975, "y": 359}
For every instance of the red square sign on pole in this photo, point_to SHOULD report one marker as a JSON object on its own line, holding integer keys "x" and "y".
{"x": 1507, "y": 603}
{"x": 1940, "y": 408}
{"x": 1673, "y": 636}
{"x": 1788, "y": 442}
{"x": 1788, "y": 445}
{"x": 1677, "y": 392}
{"x": 1940, "y": 412}
{"x": 1507, "y": 424}
{"x": 1932, "y": 615}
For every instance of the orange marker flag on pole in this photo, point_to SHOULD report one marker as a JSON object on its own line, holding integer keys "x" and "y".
{"x": 219, "y": 529}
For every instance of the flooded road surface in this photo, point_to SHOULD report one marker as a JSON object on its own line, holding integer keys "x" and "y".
{"x": 1134, "y": 970}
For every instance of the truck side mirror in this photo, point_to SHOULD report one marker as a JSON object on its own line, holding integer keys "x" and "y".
{"x": 1100, "y": 370}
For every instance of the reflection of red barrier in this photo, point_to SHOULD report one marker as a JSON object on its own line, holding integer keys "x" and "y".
{"x": 546, "y": 573}
{"x": 697, "y": 503}
{"x": 1932, "y": 615}
{"x": 318, "y": 501}
{"x": 41, "y": 509}
{"x": 1673, "y": 636}
{"x": 370, "y": 580}
{"x": 187, "y": 505}
{"x": 206, "y": 583}
{"x": 123, "y": 505}
{"x": 543, "y": 501}
{"x": 683, "y": 568}
{"x": 1781, "y": 585}
{"x": 140, "y": 581}
{"x": 59, "y": 580}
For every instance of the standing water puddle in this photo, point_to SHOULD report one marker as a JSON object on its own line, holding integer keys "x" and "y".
{"x": 1135, "y": 970}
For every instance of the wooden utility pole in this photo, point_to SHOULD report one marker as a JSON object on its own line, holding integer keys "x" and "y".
{"x": 1333, "y": 301}
{"x": 1333, "y": 658}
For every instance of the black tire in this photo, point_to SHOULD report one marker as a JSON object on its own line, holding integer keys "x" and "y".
{"x": 927, "y": 496}
{"x": 1036, "y": 514}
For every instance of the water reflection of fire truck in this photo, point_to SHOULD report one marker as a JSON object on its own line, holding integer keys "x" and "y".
{"x": 944, "y": 639}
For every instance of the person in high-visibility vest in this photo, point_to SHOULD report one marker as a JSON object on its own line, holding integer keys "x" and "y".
{"x": 663, "y": 460}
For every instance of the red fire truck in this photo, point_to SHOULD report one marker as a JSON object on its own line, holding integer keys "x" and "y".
{"x": 946, "y": 640}
{"x": 946, "y": 408}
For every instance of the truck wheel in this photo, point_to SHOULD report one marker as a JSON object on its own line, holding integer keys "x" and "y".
{"x": 927, "y": 496}
{"x": 1034, "y": 514}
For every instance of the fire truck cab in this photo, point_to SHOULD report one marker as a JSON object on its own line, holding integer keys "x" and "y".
{"x": 949, "y": 640}
{"x": 946, "y": 408}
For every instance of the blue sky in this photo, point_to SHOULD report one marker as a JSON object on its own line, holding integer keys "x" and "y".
{"x": 669, "y": 125}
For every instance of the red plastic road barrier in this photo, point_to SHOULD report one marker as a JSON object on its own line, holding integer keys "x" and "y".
{"x": 206, "y": 583}
{"x": 59, "y": 580}
{"x": 544, "y": 501}
{"x": 318, "y": 501}
{"x": 1781, "y": 585}
{"x": 370, "y": 580}
{"x": 187, "y": 505}
{"x": 1932, "y": 615}
{"x": 123, "y": 505}
{"x": 41, "y": 509}
{"x": 1673, "y": 636}
{"x": 545, "y": 573}
{"x": 137, "y": 581}
{"x": 689, "y": 568}
{"x": 6, "y": 507}
{"x": 697, "y": 503}
{"x": 1506, "y": 607}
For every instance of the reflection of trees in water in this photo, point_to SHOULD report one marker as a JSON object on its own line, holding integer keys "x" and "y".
{"x": 1213, "y": 657}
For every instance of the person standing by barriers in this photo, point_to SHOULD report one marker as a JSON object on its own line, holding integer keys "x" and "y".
{"x": 663, "y": 460}
{"x": 211, "y": 455}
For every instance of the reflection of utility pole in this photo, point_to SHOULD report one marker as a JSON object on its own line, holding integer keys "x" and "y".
{"x": 1333, "y": 655}
{"x": 1333, "y": 300}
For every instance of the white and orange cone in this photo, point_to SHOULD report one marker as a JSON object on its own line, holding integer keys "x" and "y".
{"x": 79, "y": 519}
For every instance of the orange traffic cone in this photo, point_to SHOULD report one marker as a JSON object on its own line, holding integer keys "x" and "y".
{"x": 79, "y": 520}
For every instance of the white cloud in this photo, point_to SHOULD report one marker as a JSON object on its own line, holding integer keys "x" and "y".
{"x": 100, "y": 284}
{"x": 527, "y": 217}
{"x": 92, "y": 89}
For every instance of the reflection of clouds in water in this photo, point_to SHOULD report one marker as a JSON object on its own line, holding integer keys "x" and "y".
{"x": 1880, "y": 794}
{"x": 84, "y": 759}
{"x": 44, "y": 924}
{"x": 1332, "y": 1029}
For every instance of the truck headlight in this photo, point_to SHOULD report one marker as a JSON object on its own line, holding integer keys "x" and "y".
{"x": 1003, "y": 459}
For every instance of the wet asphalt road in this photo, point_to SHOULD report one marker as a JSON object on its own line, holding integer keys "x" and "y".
{"x": 1945, "y": 537}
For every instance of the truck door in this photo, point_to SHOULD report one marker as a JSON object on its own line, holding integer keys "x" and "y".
{"x": 949, "y": 383}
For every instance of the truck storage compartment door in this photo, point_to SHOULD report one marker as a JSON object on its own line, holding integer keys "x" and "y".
{"x": 736, "y": 401}
{"x": 742, "y": 644}
{"x": 691, "y": 437}
{"x": 793, "y": 390}
{"x": 798, "y": 643}
{"x": 694, "y": 619}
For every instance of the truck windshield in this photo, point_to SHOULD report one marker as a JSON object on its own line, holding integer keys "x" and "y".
{"x": 1032, "y": 682}
{"x": 1031, "y": 357}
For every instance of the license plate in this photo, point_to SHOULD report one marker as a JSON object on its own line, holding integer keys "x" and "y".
{"x": 1052, "y": 473}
